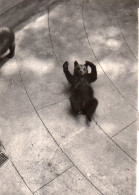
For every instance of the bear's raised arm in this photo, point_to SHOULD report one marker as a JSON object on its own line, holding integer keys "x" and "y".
{"x": 69, "y": 76}
{"x": 91, "y": 77}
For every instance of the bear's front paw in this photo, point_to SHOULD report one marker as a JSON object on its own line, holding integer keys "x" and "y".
{"x": 88, "y": 63}
{"x": 65, "y": 65}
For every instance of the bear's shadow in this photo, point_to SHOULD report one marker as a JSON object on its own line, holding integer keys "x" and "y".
{"x": 3, "y": 60}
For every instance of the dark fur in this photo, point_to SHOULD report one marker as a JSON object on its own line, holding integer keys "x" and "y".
{"x": 7, "y": 41}
{"x": 82, "y": 99}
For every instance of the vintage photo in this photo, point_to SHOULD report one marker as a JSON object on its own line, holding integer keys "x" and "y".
{"x": 68, "y": 97}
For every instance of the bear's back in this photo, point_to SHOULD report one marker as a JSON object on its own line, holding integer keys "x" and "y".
{"x": 6, "y": 35}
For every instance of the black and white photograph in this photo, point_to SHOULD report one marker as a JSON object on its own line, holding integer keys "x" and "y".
{"x": 69, "y": 97}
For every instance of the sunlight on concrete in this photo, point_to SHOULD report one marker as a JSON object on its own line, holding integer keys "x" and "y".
{"x": 9, "y": 69}
{"x": 38, "y": 67}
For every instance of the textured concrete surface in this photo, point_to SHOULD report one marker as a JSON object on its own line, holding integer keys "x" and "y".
{"x": 32, "y": 149}
{"x": 10, "y": 182}
{"x": 38, "y": 63}
{"x": 20, "y": 10}
{"x": 50, "y": 150}
{"x": 6, "y": 5}
{"x": 91, "y": 151}
{"x": 13, "y": 98}
{"x": 18, "y": 13}
{"x": 127, "y": 139}
{"x": 70, "y": 182}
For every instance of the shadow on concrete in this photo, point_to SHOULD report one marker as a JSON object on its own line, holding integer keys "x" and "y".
{"x": 3, "y": 60}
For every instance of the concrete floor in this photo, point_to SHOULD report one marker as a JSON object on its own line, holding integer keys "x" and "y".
{"x": 50, "y": 151}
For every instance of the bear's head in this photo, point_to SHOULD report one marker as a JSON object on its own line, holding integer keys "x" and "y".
{"x": 79, "y": 69}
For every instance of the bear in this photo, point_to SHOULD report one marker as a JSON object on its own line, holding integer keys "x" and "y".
{"x": 7, "y": 41}
{"x": 82, "y": 97}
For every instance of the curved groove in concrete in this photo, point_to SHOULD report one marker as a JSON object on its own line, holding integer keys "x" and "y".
{"x": 100, "y": 63}
{"x": 21, "y": 177}
{"x": 51, "y": 38}
{"x": 114, "y": 141}
{"x": 126, "y": 40}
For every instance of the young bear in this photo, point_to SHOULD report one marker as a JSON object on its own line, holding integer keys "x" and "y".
{"x": 7, "y": 41}
{"x": 82, "y": 100}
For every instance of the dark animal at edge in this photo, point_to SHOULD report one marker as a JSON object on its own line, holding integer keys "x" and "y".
{"x": 82, "y": 98}
{"x": 7, "y": 41}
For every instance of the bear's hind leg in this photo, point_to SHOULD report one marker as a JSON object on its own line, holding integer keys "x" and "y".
{"x": 75, "y": 104}
{"x": 90, "y": 108}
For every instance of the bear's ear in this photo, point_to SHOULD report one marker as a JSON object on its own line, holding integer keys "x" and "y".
{"x": 75, "y": 64}
{"x": 86, "y": 65}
